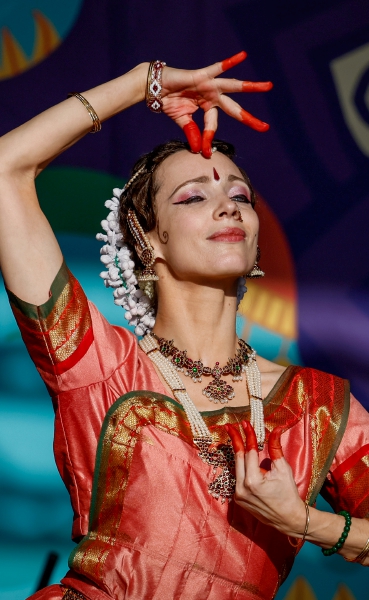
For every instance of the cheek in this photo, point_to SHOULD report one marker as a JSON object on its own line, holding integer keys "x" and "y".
{"x": 252, "y": 220}
{"x": 185, "y": 238}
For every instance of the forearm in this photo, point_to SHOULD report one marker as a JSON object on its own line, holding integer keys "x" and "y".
{"x": 326, "y": 528}
{"x": 30, "y": 147}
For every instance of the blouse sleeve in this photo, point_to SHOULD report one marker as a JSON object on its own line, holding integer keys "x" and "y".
{"x": 70, "y": 342}
{"x": 347, "y": 484}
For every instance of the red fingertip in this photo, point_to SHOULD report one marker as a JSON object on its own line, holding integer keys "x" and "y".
{"x": 251, "y": 441}
{"x": 193, "y": 135}
{"x": 256, "y": 86}
{"x": 252, "y": 122}
{"x": 237, "y": 441}
{"x": 228, "y": 63}
{"x": 207, "y": 140}
{"x": 274, "y": 443}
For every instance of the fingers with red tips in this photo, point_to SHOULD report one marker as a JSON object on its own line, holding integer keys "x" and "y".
{"x": 228, "y": 63}
{"x": 253, "y": 122}
{"x": 256, "y": 86}
{"x": 207, "y": 139}
{"x": 237, "y": 441}
{"x": 193, "y": 135}
{"x": 210, "y": 127}
{"x": 251, "y": 441}
{"x": 274, "y": 443}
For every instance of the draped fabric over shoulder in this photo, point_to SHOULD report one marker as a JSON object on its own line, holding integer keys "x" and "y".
{"x": 146, "y": 525}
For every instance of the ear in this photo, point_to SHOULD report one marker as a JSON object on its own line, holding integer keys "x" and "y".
{"x": 156, "y": 243}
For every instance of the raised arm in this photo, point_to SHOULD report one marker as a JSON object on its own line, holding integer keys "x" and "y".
{"x": 29, "y": 253}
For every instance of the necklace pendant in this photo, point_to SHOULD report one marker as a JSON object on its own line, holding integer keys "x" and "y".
{"x": 224, "y": 485}
{"x": 219, "y": 391}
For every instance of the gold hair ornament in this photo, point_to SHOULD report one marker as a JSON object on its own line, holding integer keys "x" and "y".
{"x": 146, "y": 251}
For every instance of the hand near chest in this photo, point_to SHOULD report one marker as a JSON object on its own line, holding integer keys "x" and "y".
{"x": 271, "y": 496}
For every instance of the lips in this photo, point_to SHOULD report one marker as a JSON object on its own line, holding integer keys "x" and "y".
{"x": 228, "y": 234}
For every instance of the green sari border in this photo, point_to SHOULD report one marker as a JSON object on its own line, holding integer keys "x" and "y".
{"x": 341, "y": 430}
{"x": 32, "y": 311}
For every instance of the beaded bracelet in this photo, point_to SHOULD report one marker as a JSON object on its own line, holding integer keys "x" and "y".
{"x": 341, "y": 541}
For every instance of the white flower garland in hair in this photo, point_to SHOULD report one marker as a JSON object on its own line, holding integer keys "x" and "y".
{"x": 116, "y": 256}
{"x": 120, "y": 274}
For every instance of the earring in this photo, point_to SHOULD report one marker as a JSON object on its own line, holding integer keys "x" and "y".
{"x": 147, "y": 255}
{"x": 256, "y": 271}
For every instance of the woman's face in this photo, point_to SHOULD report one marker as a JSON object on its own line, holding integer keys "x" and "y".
{"x": 198, "y": 204}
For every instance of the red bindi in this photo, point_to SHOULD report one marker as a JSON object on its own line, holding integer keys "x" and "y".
{"x": 216, "y": 176}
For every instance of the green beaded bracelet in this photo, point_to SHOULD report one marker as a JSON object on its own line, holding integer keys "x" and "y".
{"x": 345, "y": 532}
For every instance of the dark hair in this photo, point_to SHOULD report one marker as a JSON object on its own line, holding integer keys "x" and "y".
{"x": 140, "y": 194}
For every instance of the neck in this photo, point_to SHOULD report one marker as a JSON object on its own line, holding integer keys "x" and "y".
{"x": 200, "y": 319}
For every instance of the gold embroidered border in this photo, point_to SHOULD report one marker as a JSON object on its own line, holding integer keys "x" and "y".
{"x": 357, "y": 477}
{"x": 54, "y": 330}
{"x": 329, "y": 412}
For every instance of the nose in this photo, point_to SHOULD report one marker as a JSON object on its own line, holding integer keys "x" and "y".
{"x": 226, "y": 209}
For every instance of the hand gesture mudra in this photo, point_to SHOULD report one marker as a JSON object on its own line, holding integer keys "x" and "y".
{"x": 184, "y": 92}
{"x": 271, "y": 496}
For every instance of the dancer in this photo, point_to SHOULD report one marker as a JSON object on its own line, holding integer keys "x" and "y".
{"x": 145, "y": 428}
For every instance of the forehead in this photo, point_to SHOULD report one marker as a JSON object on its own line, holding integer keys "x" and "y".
{"x": 184, "y": 165}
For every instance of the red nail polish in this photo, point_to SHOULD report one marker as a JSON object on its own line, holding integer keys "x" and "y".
{"x": 228, "y": 63}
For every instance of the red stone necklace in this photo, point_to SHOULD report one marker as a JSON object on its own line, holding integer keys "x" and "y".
{"x": 218, "y": 390}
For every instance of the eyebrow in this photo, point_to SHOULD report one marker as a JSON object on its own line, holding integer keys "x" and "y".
{"x": 206, "y": 179}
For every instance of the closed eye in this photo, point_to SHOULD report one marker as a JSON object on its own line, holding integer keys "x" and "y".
{"x": 241, "y": 198}
{"x": 190, "y": 200}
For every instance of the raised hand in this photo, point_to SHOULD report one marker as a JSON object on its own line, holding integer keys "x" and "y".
{"x": 184, "y": 92}
{"x": 271, "y": 496}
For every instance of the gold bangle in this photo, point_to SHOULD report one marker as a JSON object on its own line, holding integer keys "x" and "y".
{"x": 360, "y": 557}
{"x": 96, "y": 125}
{"x": 307, "y": 523}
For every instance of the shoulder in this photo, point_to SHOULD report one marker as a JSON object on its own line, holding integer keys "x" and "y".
{"x": 317, "y": 382}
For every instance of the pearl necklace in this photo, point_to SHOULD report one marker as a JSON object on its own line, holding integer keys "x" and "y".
{"x": 223, "y": 486}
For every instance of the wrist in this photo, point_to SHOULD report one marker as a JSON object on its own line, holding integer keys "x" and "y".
{"x": 297, "y": 521}
{"x": 140, "y": 72}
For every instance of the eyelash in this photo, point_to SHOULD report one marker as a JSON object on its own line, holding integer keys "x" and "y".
{"x": 195, "y": 199}
{"x": 244, "y": 198}
{"x": 191, "y": 200}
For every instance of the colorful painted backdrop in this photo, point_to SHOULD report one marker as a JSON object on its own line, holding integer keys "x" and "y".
{"x": 311, "y": 171}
